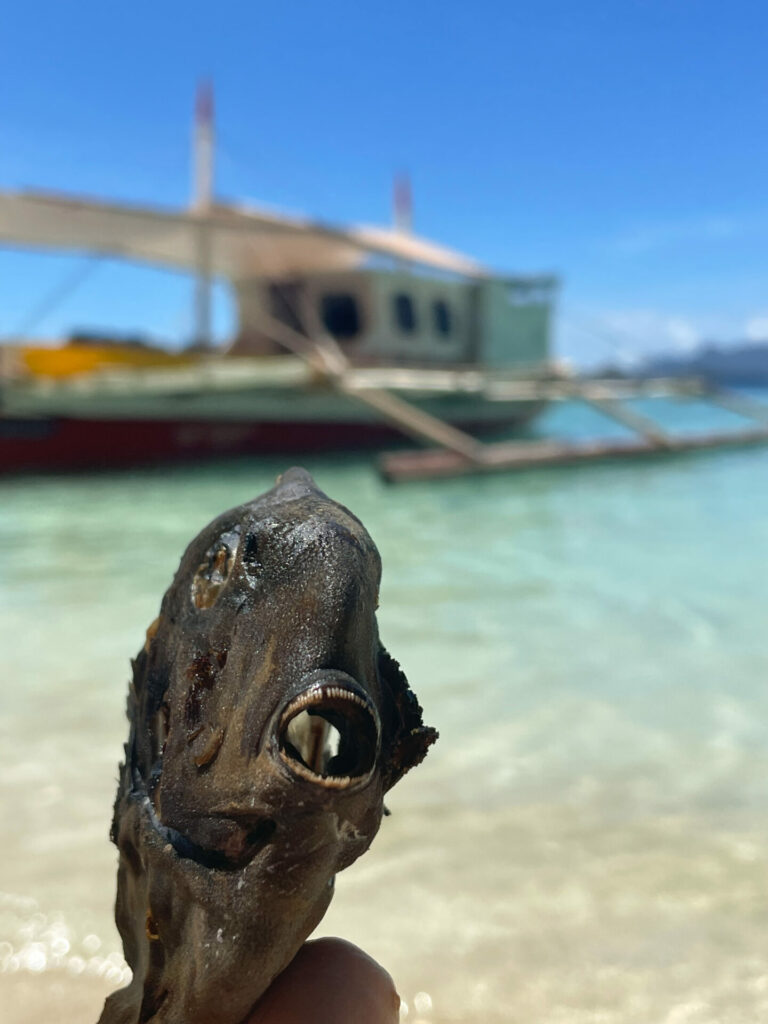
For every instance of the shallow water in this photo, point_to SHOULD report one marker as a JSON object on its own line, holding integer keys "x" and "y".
{"x": 588, "y": 841}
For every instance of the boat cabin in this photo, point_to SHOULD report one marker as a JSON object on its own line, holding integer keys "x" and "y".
{"x": 395, "y": 316}
{"x": 386, "y": 296}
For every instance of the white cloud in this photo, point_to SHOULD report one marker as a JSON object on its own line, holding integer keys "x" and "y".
{"x": 756, "y": 327}
{"x": 682, "y": 334}
{"x": 659, "y": 235}
{"x": 626, "y": 336}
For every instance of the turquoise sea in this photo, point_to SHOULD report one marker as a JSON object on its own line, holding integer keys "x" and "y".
{"x": 588, "y": 842}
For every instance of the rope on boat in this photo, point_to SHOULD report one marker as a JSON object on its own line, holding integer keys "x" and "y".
{"x": 56, "y": 296}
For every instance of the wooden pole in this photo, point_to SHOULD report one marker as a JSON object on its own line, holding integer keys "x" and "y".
{"x": 418, "y": 465}
{"x": 412, "y": 421}
{"x": 419, "y": 424}
{"x": 635, "y": 421}
{"x": 203, "y": 287}
{"x": 745, "y": 406}
{"x": 202, "y": 203}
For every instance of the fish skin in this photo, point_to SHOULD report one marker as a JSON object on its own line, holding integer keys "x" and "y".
{"x": 228, "y": 846}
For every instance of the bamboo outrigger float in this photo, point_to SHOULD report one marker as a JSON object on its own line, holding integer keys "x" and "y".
{"x": 651, "y": 440}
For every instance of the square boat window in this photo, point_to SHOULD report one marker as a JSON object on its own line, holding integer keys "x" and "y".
{"x": 340, "y": 314}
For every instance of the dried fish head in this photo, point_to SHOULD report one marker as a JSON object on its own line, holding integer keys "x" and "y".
{"x": 267, "y": 722}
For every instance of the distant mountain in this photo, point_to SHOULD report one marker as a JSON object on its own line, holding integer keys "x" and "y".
{"x": 736, "y": 365}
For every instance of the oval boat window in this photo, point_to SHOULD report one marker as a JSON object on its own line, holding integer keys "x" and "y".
{"x": 405, "y": 313}
{"x": 441, "y": 317}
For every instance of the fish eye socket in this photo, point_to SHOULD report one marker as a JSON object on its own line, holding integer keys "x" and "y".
{"x": 330, "y": 744}
{"x": 212, "y": 573}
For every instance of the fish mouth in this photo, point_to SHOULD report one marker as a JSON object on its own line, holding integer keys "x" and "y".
{"x": 231, "y": 840}
{"x": 330, "y": 733}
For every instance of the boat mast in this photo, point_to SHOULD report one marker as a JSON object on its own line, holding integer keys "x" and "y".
{"x": 402, "y": 212}
{"x": 202, "y": 200}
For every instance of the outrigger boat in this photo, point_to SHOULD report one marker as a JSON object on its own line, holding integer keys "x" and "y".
{"x": 346, "y": 337}
{"x": 332, "y": 323}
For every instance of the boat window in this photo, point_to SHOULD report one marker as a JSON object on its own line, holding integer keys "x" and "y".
{"x": 405, "y": 314}
{"x": 441, "y": 317}
{"x": 340, "y": 314}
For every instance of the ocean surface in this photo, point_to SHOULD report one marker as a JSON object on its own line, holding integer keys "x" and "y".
{"x": 587, "y": 843}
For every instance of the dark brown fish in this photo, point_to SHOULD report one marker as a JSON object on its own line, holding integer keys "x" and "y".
{"x": 267, "y": 722}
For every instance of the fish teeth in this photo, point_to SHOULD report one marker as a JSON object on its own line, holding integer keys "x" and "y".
{"x": 323, "y": 692}
{"x": 339, "y": 692}
{"x": 329, "y": 781}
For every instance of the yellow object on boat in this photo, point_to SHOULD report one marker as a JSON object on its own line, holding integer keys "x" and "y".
{"x": 71, "y": 360}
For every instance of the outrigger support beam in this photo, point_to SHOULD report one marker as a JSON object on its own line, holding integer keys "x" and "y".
{"x": 636, "y": 422}
{"x": 325, "y": 357}
{"x": 419, "y": 424}
{"x": 652, "y": 440}
{"x": 436, "y": 462}
{"x": 745, "y": 406}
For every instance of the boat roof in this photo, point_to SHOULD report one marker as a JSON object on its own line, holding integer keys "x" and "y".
{"x": 243, "y": 241}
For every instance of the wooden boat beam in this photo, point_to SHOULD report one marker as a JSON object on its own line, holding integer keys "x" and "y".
{"x": 630, "y": 418}
{"x": 745, "y": 406}
{"x": 327, "y": 359}
{"x": 419, "y": 465}
{"x": 507, "y": 455}
{"x": 419, "y": 424}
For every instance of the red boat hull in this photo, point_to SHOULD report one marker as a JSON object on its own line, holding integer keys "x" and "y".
{"x": 61, "y": 444}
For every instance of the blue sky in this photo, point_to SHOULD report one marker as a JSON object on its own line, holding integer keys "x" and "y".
{"x": 622, "y": 144}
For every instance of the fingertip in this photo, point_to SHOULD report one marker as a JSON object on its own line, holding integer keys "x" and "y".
{"x": 330, "y": 981}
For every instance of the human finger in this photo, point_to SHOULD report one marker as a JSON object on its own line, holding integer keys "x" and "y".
{"x": 329, "y": 981}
